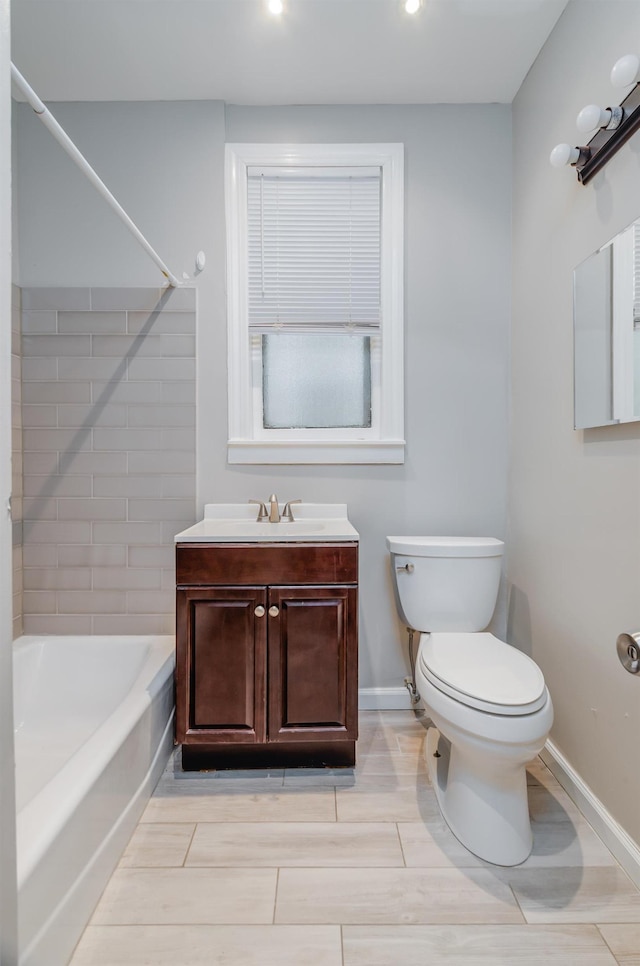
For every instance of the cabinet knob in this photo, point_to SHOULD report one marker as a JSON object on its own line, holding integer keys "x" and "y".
{"x": 259, "y": 611}
{"x": 274, "y": 611}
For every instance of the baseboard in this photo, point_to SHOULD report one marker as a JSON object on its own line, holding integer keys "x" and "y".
{"x": 620, "y": 844}
{"x": 384, "y": 699}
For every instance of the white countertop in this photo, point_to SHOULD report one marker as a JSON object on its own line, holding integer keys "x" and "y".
{"x": 236, "y": 523}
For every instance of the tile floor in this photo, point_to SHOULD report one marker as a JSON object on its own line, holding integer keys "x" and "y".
{"x": 349, "y": 867}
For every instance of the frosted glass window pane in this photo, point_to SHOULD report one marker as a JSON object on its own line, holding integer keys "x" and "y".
{"x": 316, "y": 381}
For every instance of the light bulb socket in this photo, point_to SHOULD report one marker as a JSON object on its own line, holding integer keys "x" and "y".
{"x": 617, "y": 116}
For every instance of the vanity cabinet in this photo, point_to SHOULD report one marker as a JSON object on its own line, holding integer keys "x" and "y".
{"x": 267, "y": 652}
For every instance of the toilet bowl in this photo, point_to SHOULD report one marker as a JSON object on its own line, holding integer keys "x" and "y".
{"x": 488, "y": 701}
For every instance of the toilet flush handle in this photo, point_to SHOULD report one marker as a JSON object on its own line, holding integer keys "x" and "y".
{"x": 407, "y": 569}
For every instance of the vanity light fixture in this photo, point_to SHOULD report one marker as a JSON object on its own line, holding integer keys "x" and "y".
{"x": 275, "y": 7}
{"x": 613, "y": 126}
{"x": 412, "y": 6}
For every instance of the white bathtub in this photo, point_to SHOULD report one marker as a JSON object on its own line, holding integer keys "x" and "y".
{"x": 94, "y": 729}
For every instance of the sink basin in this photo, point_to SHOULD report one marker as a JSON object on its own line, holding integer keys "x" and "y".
{"x": 233, "y": 522}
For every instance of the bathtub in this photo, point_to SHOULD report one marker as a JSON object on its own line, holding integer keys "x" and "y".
{"x": 94, "y": 729}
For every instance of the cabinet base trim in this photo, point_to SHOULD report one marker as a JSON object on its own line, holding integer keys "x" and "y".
{"x": 307, "y": 754}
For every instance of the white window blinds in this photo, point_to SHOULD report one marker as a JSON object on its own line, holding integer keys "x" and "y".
{"x": 314, "y": 248}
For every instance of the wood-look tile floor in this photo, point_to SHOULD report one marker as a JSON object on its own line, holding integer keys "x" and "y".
{"x": 354, "y": 867}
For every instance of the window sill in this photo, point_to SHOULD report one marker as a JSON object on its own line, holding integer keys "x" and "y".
{"x": 314, "y": 451}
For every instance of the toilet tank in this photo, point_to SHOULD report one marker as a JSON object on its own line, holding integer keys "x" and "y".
{"x": 446, "y": 583}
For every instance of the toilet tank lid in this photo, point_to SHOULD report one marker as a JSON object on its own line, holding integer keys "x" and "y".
{"x": 446, "y": 546}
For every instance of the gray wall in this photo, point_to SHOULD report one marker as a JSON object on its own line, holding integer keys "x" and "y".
{"x": 164, "y": 162}
{"x": 574, "y": 518}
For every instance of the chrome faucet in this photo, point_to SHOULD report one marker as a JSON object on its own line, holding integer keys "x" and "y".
{"x": 273, "y": 513}
{"x": 274, "y": 510}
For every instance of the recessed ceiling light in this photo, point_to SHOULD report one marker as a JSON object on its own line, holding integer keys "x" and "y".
{"x": 412, "y": 6}
{"x": 275, "y": 7}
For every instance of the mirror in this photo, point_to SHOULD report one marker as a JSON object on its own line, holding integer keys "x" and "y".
{"x": 606, "y": 320}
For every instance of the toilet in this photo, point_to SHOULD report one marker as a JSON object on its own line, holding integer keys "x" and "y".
{"x": 489, "y": 703}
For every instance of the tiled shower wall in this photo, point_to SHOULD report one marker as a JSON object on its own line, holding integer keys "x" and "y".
{"x": 16, "y": 458}
{"x": 108, "y": 410}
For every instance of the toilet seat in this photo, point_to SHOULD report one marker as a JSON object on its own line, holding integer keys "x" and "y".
{"x": 482, "y": 672}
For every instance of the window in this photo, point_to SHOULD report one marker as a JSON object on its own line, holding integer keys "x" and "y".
{"x": 315, "y": 307}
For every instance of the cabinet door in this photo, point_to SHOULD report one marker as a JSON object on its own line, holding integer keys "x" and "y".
{"x": 221, "y": 664}
{"x": 313, "y": 663}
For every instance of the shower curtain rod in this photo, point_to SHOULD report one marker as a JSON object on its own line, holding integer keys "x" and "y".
{"x": 63, "y": 138}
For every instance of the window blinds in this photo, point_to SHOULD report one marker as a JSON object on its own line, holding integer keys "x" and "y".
{"x": 314, "y": 249}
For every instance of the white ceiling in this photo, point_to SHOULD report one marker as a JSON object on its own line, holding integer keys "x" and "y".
{"x": 318, "y": 52}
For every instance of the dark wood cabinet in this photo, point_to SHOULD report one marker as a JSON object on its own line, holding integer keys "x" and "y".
{"x": 267, "y": 652}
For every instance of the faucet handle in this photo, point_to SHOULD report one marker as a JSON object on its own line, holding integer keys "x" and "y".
{"x": 287, "y": 513}
{"x": 262, "y": 512}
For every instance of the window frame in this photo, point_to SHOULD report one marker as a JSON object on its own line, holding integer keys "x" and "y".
{"x": 248, "y": 441}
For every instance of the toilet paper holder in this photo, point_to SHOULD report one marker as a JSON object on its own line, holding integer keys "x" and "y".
{"x": 628, "y": 647}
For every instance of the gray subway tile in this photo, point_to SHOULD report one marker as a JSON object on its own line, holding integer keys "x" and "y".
{"x": 92, "y": 509}
{"x": 57, "y": 624}
{"x": 16, "y": 296}
{"x": 92, "y": 602}
{"x": 96, "y": 555}
{"x": 126, "y": 345}
{"x": 57, "y": 578}
{"x": 39, "y": 323}
{"x": 110, "y": 414}
{"x": 182, "y": 439}
{"x": 110, "y": 299}
{"x": 173, "y": 369}
{"x": 160, "y": 509}
{"x": 129, "y": 392}
{"x": 178, "y": 392}
{"x": 62, "y": 299}
{"x": 36, "y": 416}
{"x": 128, "y": 486}
{"x": 178, "y": 346}
{"x": 40, "y": 369}
{"x": 173, "y": 323}
{"x": 51, "y": 485}
{"x": 97, "y": 463}
{"x": 151, "y": 556}
{"x": 40, "y": 555}
{"x": 67, "y": 531}
{"x": 125, "y": 533}
{"x": 163, "y": 461}
{"x": 150, "y": 602}
{"x": 78, "y": 368}
{"x": 134, "y": 624}
{"x": 56, "y": 345}
{"x": 40, "y": 602}
{"x": 17, "y": 533}
{"x": 56, "y": 392}
{"x": 127, "y": 439}
{"x": 40, "y": 464}
{"x": 117, "y": 578}
{"x": 92, "y": 322}
{"x": 40, "y": 508}
{"x": 162, "y": 416}
{"x": 56, "y": 439}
